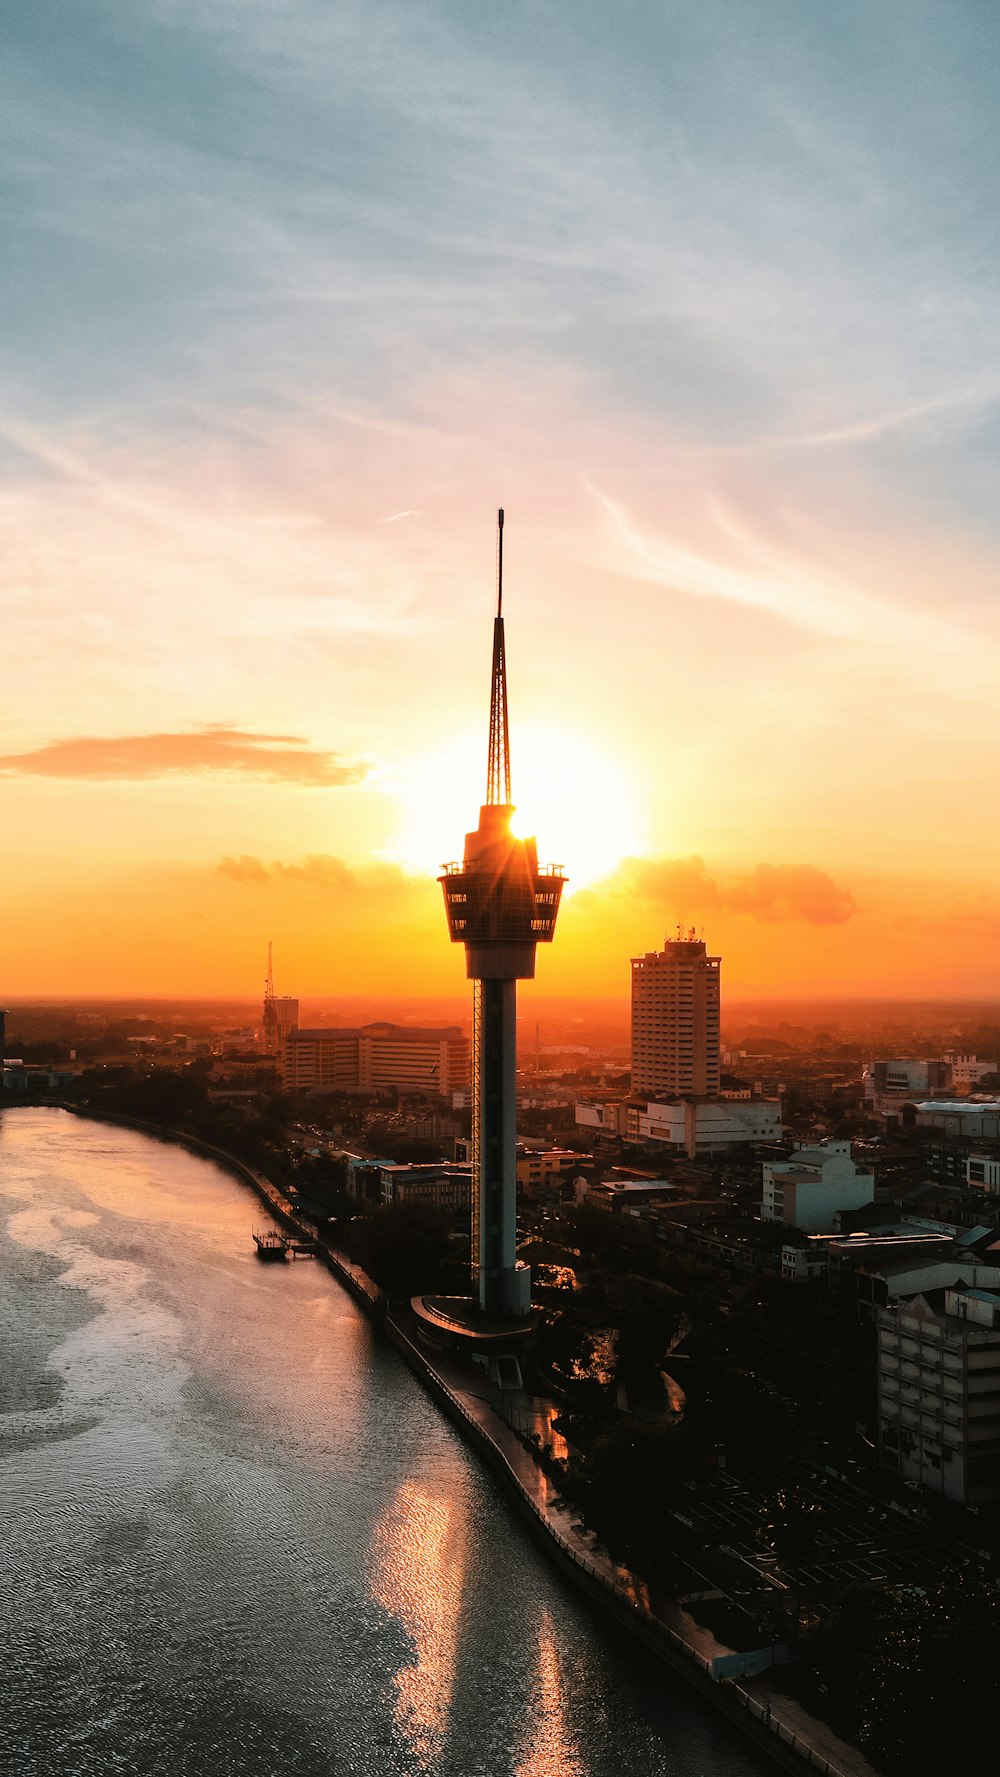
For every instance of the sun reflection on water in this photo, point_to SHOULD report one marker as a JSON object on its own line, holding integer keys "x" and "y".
{"x": 549, "y": 1749}
{"x": 419, "y": 1559}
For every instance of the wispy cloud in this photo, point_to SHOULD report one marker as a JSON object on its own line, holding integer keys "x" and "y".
{"x": 231, "y": 752}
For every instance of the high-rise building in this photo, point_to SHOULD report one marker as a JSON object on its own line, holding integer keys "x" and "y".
{"x": 499, "y": 904}
{"x": 675, "y": 1021}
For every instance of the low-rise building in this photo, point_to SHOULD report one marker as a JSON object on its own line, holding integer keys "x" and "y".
{"x": 983, "y": 1171}
{"x": 539, "y": 1167}
{"x": 689, "y": 1125}
{"x": 439, "y": 1183}
{"x": 808, "y": 1188}
{"x": 630, "y": 1194}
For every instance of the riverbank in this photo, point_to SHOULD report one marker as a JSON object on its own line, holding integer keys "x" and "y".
{"x": 775, "y": 1726}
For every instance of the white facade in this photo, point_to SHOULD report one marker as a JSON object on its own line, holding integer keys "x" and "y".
{"x": 939, "y": 1393}
{"x": 693, "y": 1125}
{"x": 968, "y": 1070}
{"x": 807, "y": 1189}
{"x": 973, "y": 1121}
{"x": 982, "y": 1171}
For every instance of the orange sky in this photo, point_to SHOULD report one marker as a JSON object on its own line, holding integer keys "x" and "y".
{"x": 706, "y": 320}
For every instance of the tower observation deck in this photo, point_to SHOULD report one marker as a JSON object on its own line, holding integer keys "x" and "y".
{"x": 500, "y": 904}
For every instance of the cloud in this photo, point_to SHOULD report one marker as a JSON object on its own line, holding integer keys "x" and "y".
{"x": 321, "y": 871}
{"x": 771, "y": 893}
{"x": 275, "y": 758}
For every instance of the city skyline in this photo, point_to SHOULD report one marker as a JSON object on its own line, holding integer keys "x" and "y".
{"x": 295, "y": 303}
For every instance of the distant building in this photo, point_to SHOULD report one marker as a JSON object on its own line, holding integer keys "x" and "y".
{"x": 807, "y": 1189}
{"x": 675, "y": 1020}
{"x": 967, "y": 1071}
{"x": 939, "y": 1391}
{"x": 961, "y": 1118}
{"x": 281, "y": 1015}
{"x": 690, "y": 1126}
{"x": 618, "y": 1194}
{"x": 441, "y": 1184}
{"x": 983, "y": 1170}
{"x": 543, "y": 1166}
{"x": 376, "y": 1057}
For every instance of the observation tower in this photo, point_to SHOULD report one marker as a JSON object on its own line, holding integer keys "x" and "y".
{"x": 499, "y": 904}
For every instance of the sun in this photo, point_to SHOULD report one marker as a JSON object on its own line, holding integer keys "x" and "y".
{"x": 576, "y": 799}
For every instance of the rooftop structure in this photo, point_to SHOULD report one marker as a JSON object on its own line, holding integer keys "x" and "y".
{"x": 500, "y": 904}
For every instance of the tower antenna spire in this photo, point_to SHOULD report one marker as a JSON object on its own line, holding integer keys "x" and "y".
{"x": 498, "y": 771}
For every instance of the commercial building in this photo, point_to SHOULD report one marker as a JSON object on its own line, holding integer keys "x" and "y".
{"x": 939, "y": 1390}
{"x": 675, "y": 1020}
{"x": 376, "y": 1058}
{"x": 689, "y": 1126}
{"x": 961, "y": 1119}
{"x": 889, "y": 1084}
{"x": 808, "y": 1188}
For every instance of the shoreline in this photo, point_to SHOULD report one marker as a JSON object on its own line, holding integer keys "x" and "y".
{"x": 489, "y": 1434}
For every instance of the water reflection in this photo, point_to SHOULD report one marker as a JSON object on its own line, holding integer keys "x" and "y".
{"x": 550, "y": 1750}
{"x": 238, "y": 1535}
{"x": 418, "y": 1569}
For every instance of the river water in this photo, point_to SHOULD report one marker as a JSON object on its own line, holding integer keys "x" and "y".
{"x": 240, "y": 1539}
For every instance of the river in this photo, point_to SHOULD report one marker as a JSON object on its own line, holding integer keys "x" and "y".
{"x": 240, "y": 1540}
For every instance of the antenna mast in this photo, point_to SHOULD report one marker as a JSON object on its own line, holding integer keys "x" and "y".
{"x": 498, "y": 773}
{"x": 269, "y": 983}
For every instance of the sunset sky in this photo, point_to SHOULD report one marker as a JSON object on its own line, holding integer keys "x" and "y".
{"x": 295, "y": 295}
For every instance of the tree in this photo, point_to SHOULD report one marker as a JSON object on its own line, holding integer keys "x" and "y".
{"x": 403, "y": 1246}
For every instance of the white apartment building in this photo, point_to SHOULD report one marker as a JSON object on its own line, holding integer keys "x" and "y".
{"x": 939, "y": 1390}
{"x": 675, "y": 1020}
{"x": 807, "y": 1189}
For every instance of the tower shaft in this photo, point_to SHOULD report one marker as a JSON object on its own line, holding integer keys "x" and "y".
{"x": 499, "y": 1284}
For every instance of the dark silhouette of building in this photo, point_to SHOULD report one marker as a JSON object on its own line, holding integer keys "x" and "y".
{"x": 499, "y": 904}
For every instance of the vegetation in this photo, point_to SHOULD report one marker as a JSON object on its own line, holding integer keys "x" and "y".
{"x": 405, "y": 1247}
